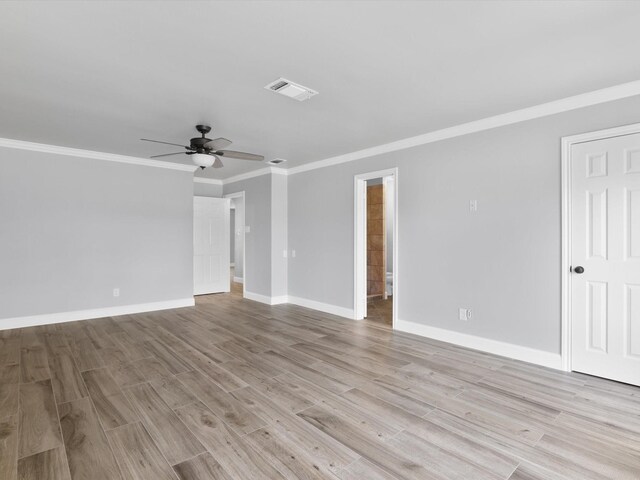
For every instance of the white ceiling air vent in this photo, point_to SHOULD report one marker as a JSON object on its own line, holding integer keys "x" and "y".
{"x": 276, "y": 161}
{"x": 291, "y": 89}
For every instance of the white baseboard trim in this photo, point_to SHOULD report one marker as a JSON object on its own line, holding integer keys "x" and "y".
{"x": 323, "y": 307}
{"x": 302, "y": 302}
{"x": 517, "y": 352}
{"x": 256, "y": 297}
{"x": 238, "y": 279}
{"x": 279, "y": 300}
{"x": 49, "y": 318}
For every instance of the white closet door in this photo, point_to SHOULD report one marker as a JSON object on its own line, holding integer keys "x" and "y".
{"x": 605, "y": 257}
{"x": 211, "y": 240}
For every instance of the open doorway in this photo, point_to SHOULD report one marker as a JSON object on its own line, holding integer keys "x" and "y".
{"x": 237, "y": 271}
{"x": 376, "y": 247}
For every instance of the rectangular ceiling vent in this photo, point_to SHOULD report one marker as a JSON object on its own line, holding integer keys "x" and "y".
{"x": 291, "y": 89}
{"x": 276, "y": 161}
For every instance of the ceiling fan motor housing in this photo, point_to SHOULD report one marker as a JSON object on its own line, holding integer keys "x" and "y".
{"x": 203, "y": 129}
{"x": 206, "y": 152}
{"x": 198, "y": 143}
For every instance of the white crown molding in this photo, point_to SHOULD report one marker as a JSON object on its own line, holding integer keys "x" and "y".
{"x": 48, "y": 318}
{"x": 567, "y": 104}
{"x": 211, "y": 181}
{"x": 246, "y": 176}
{"x": 279, "y": 171}
{"x": 509, "y": 350}
{"x": 550, "y": 108}
{"x": 596, "y": 97}
{"x": 76, "y": 152}
{"x": 255, "y": 173}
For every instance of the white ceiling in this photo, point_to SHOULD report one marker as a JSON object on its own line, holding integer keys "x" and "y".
{"x": 101, "y": 75}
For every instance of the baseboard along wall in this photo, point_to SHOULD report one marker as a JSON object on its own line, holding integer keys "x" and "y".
{"x": 61, "y": 317}
{"x": 503, "y": 349}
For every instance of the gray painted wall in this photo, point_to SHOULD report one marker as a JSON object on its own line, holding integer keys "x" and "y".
{"x": 232, "y": 236}
{"x": 503, "y": 262}
{"x": 73, "y": 229}
{"x": 207, "y": 190}
{"x": 279, "y": 234}
{"x": 388, "y": 207}
{"x": 257, "y": 212}
{"x": 238, "y": 242}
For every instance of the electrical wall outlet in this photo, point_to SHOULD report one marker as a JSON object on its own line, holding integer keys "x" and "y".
{"x": 284, "y": 254}
{"x": 473, "y": 205}
{"x": 464, "y": 314}
{"x": 116, "y": 292}
{"x": 293, "y": 253}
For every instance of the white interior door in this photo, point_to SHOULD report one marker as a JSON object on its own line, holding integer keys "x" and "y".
{"x": 211, "y": 240}
{"x": 605, "y": 258}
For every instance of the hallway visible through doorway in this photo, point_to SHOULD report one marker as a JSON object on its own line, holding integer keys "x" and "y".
{"x": 379, "y": 311}
{"x": 379, "y": 245}
{"x": 237, "y": 288}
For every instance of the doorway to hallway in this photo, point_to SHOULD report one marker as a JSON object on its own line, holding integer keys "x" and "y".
{"x": 375, "y": 278}
{"x": 238, "y": 270}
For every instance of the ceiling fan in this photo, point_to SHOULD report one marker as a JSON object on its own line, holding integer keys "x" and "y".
{"x": 206, "y": 152}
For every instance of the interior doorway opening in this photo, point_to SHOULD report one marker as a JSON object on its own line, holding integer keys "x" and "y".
{"x": 376, "y": 288}
{"x": 238, "y": 270}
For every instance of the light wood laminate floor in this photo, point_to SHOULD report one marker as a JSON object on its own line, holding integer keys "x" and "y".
{"x": 380, "y": 311}
{"x": 234, "y": 389}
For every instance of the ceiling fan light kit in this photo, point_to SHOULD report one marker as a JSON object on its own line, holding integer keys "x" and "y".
{"x": 203, "y": 160}
{"x": 205, "y": 152}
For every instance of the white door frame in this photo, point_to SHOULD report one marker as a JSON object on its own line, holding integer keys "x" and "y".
{"x": 360, "y": 242}
{"x": 244, "y": 236}
{"x": 567, "y": 143}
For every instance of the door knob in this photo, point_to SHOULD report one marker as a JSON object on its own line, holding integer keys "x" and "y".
{"x": 579, "y": 270}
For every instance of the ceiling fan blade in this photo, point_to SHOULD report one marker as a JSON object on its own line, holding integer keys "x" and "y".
{"x": 218, "y": 143}
{"x": 166, "y": 143}
{"x": 240, "y": 155}
{"x": 217, "y": 163}
{"x": 167, "y": 154}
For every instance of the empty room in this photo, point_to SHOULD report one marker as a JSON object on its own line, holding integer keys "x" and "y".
{"x": 342, "y": 240}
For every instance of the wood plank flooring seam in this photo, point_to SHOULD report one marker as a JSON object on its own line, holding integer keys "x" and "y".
{"x": 150, "y": 421}
{"x": 64, "y": 449}
{"x": 545, "y": 423}
{"x": 141, "y": 425}
{"x": 514, "y": 470}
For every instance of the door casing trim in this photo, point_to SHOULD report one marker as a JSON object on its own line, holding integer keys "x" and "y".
{"x": 241, "y": 194}
{"x": 360, "y": 242}
{"x": 566, "y": 144}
